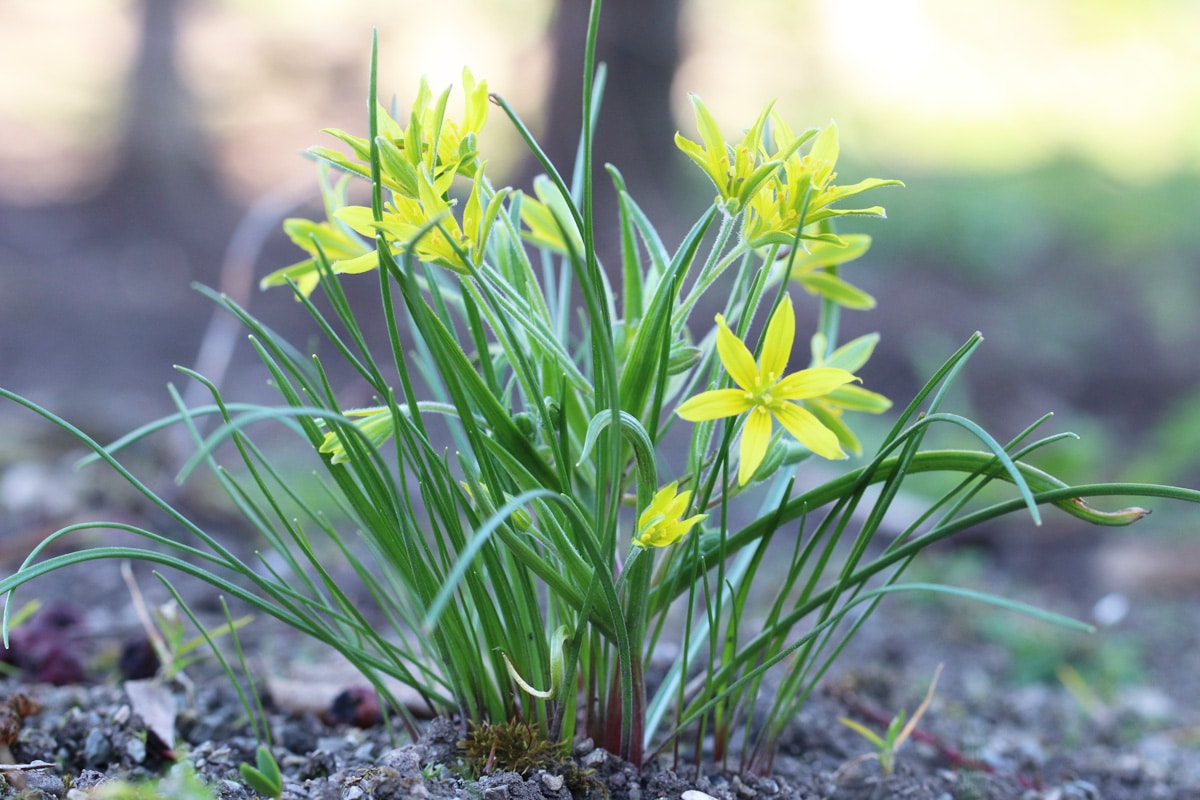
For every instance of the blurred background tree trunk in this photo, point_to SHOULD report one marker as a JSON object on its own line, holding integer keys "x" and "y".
{"x": 639, "y": 42}
{"x": 164, "y": 177}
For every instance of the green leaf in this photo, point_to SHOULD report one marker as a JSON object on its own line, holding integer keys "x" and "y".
{"x": 360, "y": 146}
{"x": 396, "y": 166}
{"x": 856, "y": 398}
{"x": 831, "y": 254}
{"x": 846, "y": 437}
{"x": 340, "y": 160}
{"x": 648, "y": 359}
{"x": 852, "y": 356}
{"x": 835, "y": 193}
{"x": 863, "y": 731}
{"x": 834, "y": 288}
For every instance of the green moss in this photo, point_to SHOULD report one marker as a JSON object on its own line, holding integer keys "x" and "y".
{"x": 516, "y": 746}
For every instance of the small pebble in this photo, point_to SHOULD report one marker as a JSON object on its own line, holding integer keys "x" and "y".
{"x": 233, "y": 789}
{"x": 1075, "y": 790}
{"x": 404, "y": 760}
{"x": 136, "y": 748}
{"x": 97, "y": 748}
{"x": 49, "y": 784}
{"x": 334, "y": 744}
{"x": 552, "y": 782}
{"x": 1110, "y": 609}
{"x": 496, "y": 793}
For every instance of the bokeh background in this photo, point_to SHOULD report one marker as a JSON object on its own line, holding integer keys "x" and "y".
{"x": 1051, "y": 151}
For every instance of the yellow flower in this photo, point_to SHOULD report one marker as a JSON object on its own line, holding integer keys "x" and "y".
{"x": 376, "y": 424}
{"x": 418, "y": 165}
{"x": 851, "y": 356}
{"x": 406, "y": 216}
{"x": 441, "y": 145}
{"x": 660, "y": 524}
{"x": 739, "y": 177}
{"x": 766, "y": 393}
{"x": 334, "y": 239}
{"x": 805, "y": 187}
{"x": 548, "y": 220}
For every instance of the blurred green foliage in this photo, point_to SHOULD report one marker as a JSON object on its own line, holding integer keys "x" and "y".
{"x": 1086, "y": 283}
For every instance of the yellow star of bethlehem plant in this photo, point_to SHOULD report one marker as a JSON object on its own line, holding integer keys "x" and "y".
{"x": 334, "y": 239}
{"x": 767, "y": 394}
{"x": 804, "y": 193}
{"x": 660, "y": 524}
{"x": 739, "y": 177}
{"x": 447, "y": 245}
{"x": 418, "y": 164}
{"x": 376, "y": 423}
{"x": 441, "y": 145}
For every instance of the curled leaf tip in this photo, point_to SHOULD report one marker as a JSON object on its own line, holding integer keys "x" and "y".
{"x": 1125, "y": 516}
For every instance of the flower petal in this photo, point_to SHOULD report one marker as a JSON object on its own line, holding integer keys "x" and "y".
{"x": 714, "y": 404}
{"x": 660, "y": 524}
{"x": 756, "y": 435}
{"x": 360, "y": 219}
{"x": 813, "y": 382}
{"x": 351, "y": 266}
{"x": 824, "y": 155}
{"x": 777, "y": 342}
{"x": 658, "y": 505}
{"x": 808, "y": 430}
{"x": 677, "y": 505}
{"x": 736, "y": 357}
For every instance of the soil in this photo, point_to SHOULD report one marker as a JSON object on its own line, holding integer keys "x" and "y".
{"x": 1022, "y": 710}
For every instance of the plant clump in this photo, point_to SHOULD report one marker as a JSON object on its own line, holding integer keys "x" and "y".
{"x": 567, "y": 468}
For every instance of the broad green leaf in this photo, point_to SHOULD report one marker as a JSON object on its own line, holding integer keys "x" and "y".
{"x": 856, "y": 398}
{"x": 827, "y": 254}
{"x": 830, "y": 286}
{"x": 852, "y": 356}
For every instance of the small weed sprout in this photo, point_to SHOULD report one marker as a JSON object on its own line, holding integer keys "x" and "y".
{"x": 897, "y": 733}
{"x": 166, "y": 631}
{"x": 264, "y": 777}
{"x": 180, "y": 783}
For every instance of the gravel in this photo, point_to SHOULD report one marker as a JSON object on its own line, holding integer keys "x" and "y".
{"x": 983, "y": 737}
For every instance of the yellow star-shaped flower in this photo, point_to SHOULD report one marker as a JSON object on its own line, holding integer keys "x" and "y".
{"x": 738, "y": 171}
{"x": 660, "y": 524}
{"x": 803, "y": 192}
{"x": 766, "y": 393}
